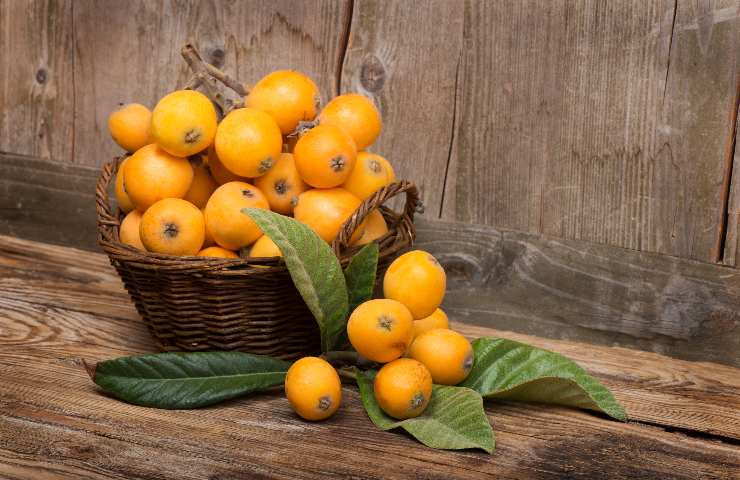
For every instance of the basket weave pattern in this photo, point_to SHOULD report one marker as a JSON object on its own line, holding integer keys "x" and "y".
{"x": 201, "y": 303}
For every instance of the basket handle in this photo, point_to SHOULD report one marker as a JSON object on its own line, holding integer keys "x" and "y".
{"x": 413, "y": 204}
{"x": 106, "y": 215}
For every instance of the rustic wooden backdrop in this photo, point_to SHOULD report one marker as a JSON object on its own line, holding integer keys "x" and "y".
{"x": 586, "y": 147}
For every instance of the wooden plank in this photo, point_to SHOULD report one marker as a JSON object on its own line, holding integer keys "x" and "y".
{"x": 69, "y": 426}
{"x": 56, "y": 298}
{"x": 249, "y": 39}
{"x": 732, "y": 236}
{"x": 405, "y": 55}
{"x": 47, "y": 201}
{"x": 36, "y": 78}
{"x": 601, "y": 121}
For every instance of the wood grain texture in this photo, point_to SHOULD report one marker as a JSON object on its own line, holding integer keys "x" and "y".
{"x": 601, "y": 121}
{"x": 248, "y": 39}
{"x": 405, "y": 55}
{"x": 47, "y": 201}
{"x": 37, "y": 79}
{"x": 67, "y": 429}
{"x": 732, "y": 235}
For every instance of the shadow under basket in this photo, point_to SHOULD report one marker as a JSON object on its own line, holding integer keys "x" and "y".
{"x": 249, "y": 305}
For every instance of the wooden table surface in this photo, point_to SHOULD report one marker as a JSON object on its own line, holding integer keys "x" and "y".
{"x": 59, "y": 306}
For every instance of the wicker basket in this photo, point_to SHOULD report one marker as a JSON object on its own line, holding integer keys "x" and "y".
{"x": 199, "y": 303}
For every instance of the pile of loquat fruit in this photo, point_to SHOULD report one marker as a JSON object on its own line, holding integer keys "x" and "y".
{"x": 406, "y": 331}
{"x": 189, "y": 175}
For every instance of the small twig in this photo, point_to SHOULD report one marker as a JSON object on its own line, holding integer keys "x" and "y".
{"x": 302, "y": 127}
{"x": 198, "y": 66}
{"x": 194, "y": 82}
{"x": 226, "y": 80}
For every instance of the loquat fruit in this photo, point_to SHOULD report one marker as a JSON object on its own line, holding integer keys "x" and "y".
{"x": 438, "y": 319}
{"x": 380, "y": 330}
{"x": 282, "y": 185}
{"x": 417, "y": 280}
{"x": 403, "y": 388}
{"x": 447, "y": 354}
{"x": 128, "y": 232}
{"x": 217, "y": 252}
{"x": 220, "y": 173}
{"x": 356, "y": 114}
{"x": 287, "y": 96}
{"x": 151, "y": 174}
{"x": 184, "y": 123}
{"x": 325, "y": 156}
{"x": 248, "y": 142}
{"x": 371, "y": 173}
{"x": 326, "y": 210}
{"x": 201, "y": 188}
{"x": 375, "y": 227}
{"x": 129, "y": 125}
{"x": 230, "y": 228}
{"x": 172, "y": 226}
{"x": 124, "y": 202}
{"x": 265, "y": 247}
{"x": 313, "y": 388}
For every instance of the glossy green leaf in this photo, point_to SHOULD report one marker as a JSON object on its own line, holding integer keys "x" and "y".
{"x": 454, "y": 419}
{"x": 314, "y": 268}
{"x": 516, "y": 371}
{"x": 187, "y": 380}
{"x": 360, "y": 275}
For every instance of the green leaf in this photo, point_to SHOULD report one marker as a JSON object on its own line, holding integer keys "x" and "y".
{"x": 454, "y": 419}
{"x": 516, "y": 371}
{"x": 187, "y": 380}
{"x": 360, "y": 275}
{"x": 314, "y": 268}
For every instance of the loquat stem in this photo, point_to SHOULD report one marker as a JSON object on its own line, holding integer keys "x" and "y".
{"x": 350, "y": 373}
{"x": 341, "y": 356}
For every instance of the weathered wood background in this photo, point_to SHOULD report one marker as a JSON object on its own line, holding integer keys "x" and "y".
{"x": 611, "y": 122}
{"x": 586, "y": 149}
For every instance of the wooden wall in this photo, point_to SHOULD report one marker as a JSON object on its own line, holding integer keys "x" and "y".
{"x": 605, "y": 121}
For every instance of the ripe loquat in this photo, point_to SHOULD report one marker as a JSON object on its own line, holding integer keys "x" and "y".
{"x": 375, "y": 227}
{"x": 184, "y": 123}
{"x": 325, "y": 156}
{"x": 326, "y": 210}
{"x": 124, "y": 202}
{"x": 129, "y": 126}
{"x": 380, "y": 330}
{"x": 438, "y": 319}
{"x": 371, "y": 173}
{"x": 151, "y": 174}
{"x": 265, "y": 247}
{"x": 417, "y": 280}
{"x": 172, "y": 226}
{"x": 447, "y": 354}
{"x": 248, "y": 142}
{"x": 313, "y": 388}
{"x": 217, "y": 252}
{"x": 356, "y": 114}
{"x": 230, "y": 228}
{"x": 282, "y": 185}
{"x": 403, "y": 388}
{"x": 287, "y": 96}
{"x": 128, "y": 232}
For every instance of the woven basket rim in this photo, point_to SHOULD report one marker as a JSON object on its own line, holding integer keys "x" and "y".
{"x": 401, "y": 233}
